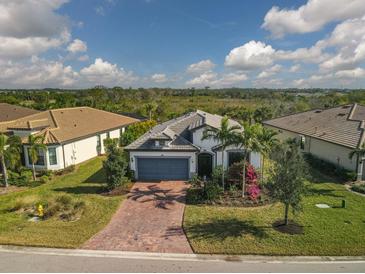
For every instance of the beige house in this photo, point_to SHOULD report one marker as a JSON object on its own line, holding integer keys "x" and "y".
{"x": 330, "y": 134}
{"x": 72, "y": 135}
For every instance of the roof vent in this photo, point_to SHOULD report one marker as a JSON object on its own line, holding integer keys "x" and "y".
{"x": 318, "y": 111}
{"x": 341, "y": 114}
{"x": 74, "y": 125}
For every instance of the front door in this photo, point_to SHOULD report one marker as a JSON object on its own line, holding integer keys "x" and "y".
{"x": 205, "y": 164}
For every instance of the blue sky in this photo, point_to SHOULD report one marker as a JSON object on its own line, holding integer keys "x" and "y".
{"x": 182, "y": 43}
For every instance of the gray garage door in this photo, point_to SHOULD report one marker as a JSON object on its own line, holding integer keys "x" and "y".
{"x": 163, "y": 169}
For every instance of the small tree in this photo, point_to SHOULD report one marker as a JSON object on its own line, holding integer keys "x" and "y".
{"x": 247, "y": 140}
{"x": 9, "y": 153}
{"x": 226, "y": 135}
{"x": 267, "y": 139}
{"x": 150, "y": 108}
{"x": 136, "y": 130}
{"x": 359, "y": 153}
{"x": 35, "y": 144}
{"x": 115, "y": 166}
{"x": 288, "y": 177}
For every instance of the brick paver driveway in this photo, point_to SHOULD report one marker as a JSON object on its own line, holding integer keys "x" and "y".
{"x": 150, "y": 220}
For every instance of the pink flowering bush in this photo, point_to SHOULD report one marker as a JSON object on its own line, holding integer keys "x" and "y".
{"x": 253, "y": 191}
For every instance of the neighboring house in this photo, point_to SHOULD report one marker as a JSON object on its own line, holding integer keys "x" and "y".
{"x": 72, "y": 135}
{"x": 10, "y": 112}
{"x": 174, "y": 150}
{"x": 330, "y": 134}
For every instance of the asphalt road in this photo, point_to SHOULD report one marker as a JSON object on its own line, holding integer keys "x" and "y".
{"x": 29, "y": 261}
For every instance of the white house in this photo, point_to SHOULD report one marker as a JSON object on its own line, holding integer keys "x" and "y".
{"x": 72, "y": 135}
{"x": 174, "y": 150}
{"x": 330, "y": 134}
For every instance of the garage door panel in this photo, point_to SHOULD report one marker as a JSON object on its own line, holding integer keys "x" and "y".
{"x": 163, "y": 168}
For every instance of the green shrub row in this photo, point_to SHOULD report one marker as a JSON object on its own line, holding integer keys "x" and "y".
{"x": 358, "y": 188}
{"x": 329, "y": 168}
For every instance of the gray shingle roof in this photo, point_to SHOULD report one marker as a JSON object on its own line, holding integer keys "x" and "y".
{"x": 178, "y": 131}
{"x": 343, "y": 125}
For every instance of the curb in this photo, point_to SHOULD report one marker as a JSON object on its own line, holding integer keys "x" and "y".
{"x": 181, "y": 257}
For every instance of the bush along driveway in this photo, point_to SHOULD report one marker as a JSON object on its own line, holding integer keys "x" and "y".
{"x": 74, "y": 210}
{"x": 326, "y": 231}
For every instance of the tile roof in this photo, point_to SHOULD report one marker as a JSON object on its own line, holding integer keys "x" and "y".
{"x": 179, "y": 132}
{"x": 11, "y": 112}
{"x": 343, "y": 125}
{"x": 63, "y": 125}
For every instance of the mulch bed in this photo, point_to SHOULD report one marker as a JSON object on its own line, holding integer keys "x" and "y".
{"x": 292, "y": 228}
{"x": 122, "y": 190}
{"x": 4, "y": 190}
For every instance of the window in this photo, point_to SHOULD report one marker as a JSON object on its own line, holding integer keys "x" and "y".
{"x": 302, "y": 142}
{"x": 52, "y": 155}
{"x": 235, "y": 157}
{"x": 40, "y": 160}
{"x": 108, "y": 135}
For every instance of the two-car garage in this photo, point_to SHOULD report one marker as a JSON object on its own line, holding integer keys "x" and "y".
{"x": 162, "y": 168}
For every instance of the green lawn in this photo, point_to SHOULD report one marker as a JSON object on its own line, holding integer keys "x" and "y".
{"x": 83, "y": 185}
{"x": 333, "y": 231}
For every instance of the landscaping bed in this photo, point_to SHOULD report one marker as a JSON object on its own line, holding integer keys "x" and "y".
{"x": 74, "y": 209}
{"x": 329, "y": 231}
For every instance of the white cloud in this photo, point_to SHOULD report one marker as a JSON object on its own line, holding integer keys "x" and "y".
{"x": 159, "y": 78}
{"x": 38, "y": 73}
{"x": 251, "y": 55}
{"x": 352, "y": 73}
{"x": 31, "y": 27}
{"x": 311, "y": 17}
{"x": 83, "y": 58}
{"x": 22, "y": 19}
{"x": 105, "y": 73}
{"x": 348, "y": 38}
{"x": 15, "y": 48}
{"x": 77, "y": 46}
{"x": 270, "y": 71}
{"x": 201, "y": 67}
{"x": 204, "y": 79}
{"x": 213, "y": 79}
{"x": 294, "y": 68}
{"x": 100, "y": 10}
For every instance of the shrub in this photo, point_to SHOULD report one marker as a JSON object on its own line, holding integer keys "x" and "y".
{"x": 217, "y": 175}
{"x": 194, "y": 181}
{"x": 44, "y": 179}
{"x": 66, "y": 170}
{"x": 212, "y": 191}
{"x": 358, "y": 188}
{"x": 329, "y": 168}
{"x": 115, "y": 167}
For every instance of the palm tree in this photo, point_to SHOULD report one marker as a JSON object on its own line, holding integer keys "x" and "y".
{"x": 9, "y": 152}
{"x": 226, "y": 135}
{"x": 359, "y": 152}
{"x": 247, "y": 139}
{"x": 35, "y": 145}
{"x": 267, "y": 139}
{"x": 150, "y": 108}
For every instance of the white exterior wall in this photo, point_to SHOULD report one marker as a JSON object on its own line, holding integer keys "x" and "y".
{"x": 80, "y": 151}
{"x": 115, "y": 134}
{"x": 325, "y": 150}
{"x": 206, "y": 144}
{"x": 133, "y": 155}
{"x": 75, "y": 152}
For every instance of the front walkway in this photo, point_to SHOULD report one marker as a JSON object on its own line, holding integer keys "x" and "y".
{"x": 150, "y": 220}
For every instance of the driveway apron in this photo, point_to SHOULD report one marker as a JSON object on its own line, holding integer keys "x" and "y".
{"x": 149, "y": 220}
